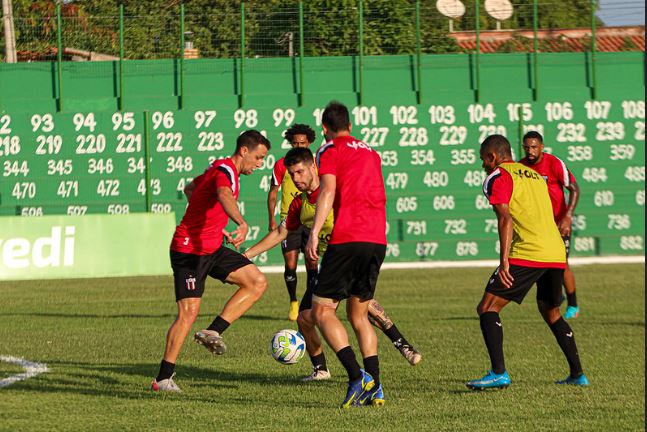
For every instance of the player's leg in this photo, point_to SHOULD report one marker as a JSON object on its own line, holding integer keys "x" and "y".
{"x": 495, "y": 298}
{"x": 572, "y": 309}
{"x": 379, "y": 318}
{"x": 549, "y": 290}
{"x": 314, "y": 346}
{"x": 290, "y": 248}
{"x": 233, "y": 268}
{"x": 189, "y": 274}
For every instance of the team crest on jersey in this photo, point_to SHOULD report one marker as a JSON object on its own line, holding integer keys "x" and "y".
{"x": 190, "y": 283}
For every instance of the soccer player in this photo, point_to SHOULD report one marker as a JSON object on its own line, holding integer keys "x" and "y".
{"x": 300, "y": 165}
{"x": 299, "y": 135}
{"x": 352, "y": 185}
{"x": 197, "y": 251}
{"x": 531, "y": 251}
{"x": 558, "y": 177}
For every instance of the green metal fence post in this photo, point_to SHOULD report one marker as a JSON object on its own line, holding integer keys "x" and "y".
{"x": 147, "y": 162}
{"x": 519, "y": 131}
{"x": 594, "y": 83}
{"x": 181, "y": 55}
{"x": 59, "y": 58}
{"x": 241, "y": 97}
{"x": 301, "y": 53}
{"x": 535, "y": 62}
{"x": 121, "y": 57}
{"x": 418, "y": 54}
{"x": 361, "y": 52}
{"x": 477, "y": 89}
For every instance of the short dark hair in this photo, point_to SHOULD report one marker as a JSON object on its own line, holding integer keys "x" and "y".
{"x": 251, "y": 139}
{"x": 301, "y": 129}
{"x": 533, "y": 134}
{"x": 336, "y": 117}
{"x": 497, "y": 143}
{"x": 298, "y": 155}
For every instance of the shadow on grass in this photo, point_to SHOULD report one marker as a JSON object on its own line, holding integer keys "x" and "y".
{"x": 130, "y": 315}
{"x": 132, "y": 381}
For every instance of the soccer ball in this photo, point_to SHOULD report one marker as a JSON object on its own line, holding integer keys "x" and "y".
{"x": 287, "y": 346}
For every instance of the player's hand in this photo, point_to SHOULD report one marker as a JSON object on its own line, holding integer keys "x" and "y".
{"x": 239, "y": 235}
{"x": 564, "y": 225}
{"x": 504, "y": 274}
{"x": 312, "y": 248}
{"x": 227, "y": 235}
{"x": 272, "y": 226}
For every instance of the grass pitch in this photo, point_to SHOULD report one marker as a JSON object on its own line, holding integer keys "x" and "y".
{"x": 103, "y": 340}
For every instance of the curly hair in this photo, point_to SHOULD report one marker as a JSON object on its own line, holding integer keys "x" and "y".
{"x": 300, "y": 129}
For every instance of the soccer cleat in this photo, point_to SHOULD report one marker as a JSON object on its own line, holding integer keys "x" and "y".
{"x": 165, "y": 385}
{"x": 356, "y": 388}
{"x": 579, "y": 381}
{"x": 572, "y": 312}
{"x": 317, "y": 375}
{"x": 294, "y": 311}
{"x": 373, "y": 397}
{"x": 411, "y": 354}
{"x": 491, "y": 380}
{"x": 211, "y": 340}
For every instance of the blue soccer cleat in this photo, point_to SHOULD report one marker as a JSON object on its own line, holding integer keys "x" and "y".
{"x": 579, "y": 381}
{"x": 572, "y": 312}
{"x": 356, "y": 388}
{"x": 491, "y": 380}
{"x": 373, "y": 397}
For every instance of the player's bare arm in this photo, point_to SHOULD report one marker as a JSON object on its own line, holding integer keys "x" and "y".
{"x": 272, "y": 198}
{"x": 328, "y": 185}
{"x": 564, "y": 224}
{"x": 270, "y": 240}
{"x": 226, "y": 198}
{"x": 504, "y": 224}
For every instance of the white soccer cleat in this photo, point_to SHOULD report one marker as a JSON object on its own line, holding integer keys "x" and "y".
{"x": 166, "y": 385}
{"x": 317, "y": 375}
{"x": 211, "y": 340}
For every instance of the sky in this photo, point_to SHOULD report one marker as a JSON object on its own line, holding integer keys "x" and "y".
{"x": 622, "y": 12}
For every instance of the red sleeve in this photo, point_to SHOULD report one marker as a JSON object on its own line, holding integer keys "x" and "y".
{"x": 497, "y": 187}
{"x": 278, "y": 172}
{"x": 222, "y": 178}
{"x": 561, "y": 172}
{"x": 199, "y": 179}
{"x": 293, "y": 219}
{"x": 327, "y": 160}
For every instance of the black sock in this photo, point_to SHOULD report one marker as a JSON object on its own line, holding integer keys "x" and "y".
{"x": 290, "y": 276}
{"x": 166, "y": 371}
{"x": 319, "y": 362}
{"x": 312, "y": 278}
{"x": 571, "y": 299}
{"x": 347, "y": 358}
{"x": 566, "y": 340}
{"x": 372, "y": 366}
{"x": 396, "y": 337}
{"x": 493, "y": 336}
{"x": 219, "y": 325}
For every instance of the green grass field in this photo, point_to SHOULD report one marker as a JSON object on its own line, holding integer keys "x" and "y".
{"x": 103, "y": 340}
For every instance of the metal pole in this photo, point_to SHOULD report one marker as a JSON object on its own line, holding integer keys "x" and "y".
{"x": 241, "y": 97}
{"x": 182, "y": 56}
{"x": 418, "y": 54}
{"x": 147, "y": 162}
{"x": 9, "y": 32}
{"x": 361, "y": 52}
{"x": 477, "y": 59}
{"x": 59, "y": 58}
{"x": 594, "y": 83}
{"x": 520, "y": 131}
{"x": 121, "y": 57}
{"x": 301, "y": 53}
{"x": 535, "y": 63}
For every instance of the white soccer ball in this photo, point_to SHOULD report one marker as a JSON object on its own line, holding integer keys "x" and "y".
{"x": 288, "y": 346}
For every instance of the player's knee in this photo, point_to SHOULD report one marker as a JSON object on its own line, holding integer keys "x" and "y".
{"x": 259, "y": 284}
{"x": 188, "y": 313}
{"x": 548, "y": 312}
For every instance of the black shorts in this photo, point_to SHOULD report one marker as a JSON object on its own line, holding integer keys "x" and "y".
{"x": 350, "y": 269}
{"x": 549, "y": 284}
{"x": 296, "y": 240}
{"x": 567, "y": 244}
{"x": 190, "y": 271}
